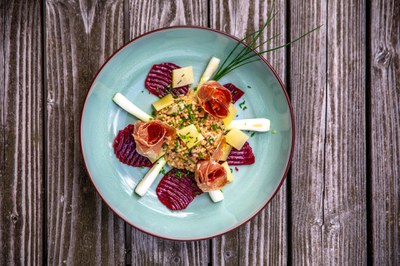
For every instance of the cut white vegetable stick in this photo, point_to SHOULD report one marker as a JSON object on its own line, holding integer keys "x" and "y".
{"x": 255, "y": 124}
{"x": 130, "y": 107}
{"x": 216, "y": 195}
{"x": 150, "y": 177}
{"x": 210, "y": 69}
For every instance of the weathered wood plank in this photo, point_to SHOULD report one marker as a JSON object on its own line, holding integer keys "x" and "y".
{"x": 263, "y": 240}
{"x": 146, "y": 16}
{"x": 21, "y": 174}
{"x": 80, "y": 36}
{"x": 329, "y": 171}
{"x": 384, "y": 132}
{"x": 308, "y": 94}
{"x": 345, "y": 223}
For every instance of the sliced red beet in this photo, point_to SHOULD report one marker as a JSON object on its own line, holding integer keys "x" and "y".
{"x": 244, "y": 156}
{"x": 125, "y": 149}
{"x": 235, "y": 91}
{"x": 177, "y": 189}
{"x": 160, "y": 78}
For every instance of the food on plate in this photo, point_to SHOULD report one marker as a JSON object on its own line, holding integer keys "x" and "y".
{"x": 177, "y": 189}
{"x": 210, "y": 175}
{"x": 198, "y": 133}
{"x": 215, "y": 99}
{"x": 193, "y": 131}
{"x": 150, "y": 137}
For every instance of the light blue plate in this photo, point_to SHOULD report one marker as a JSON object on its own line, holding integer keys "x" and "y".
{"x": 125, "y": 72}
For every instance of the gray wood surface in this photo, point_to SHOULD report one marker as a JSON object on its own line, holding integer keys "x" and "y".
{"x": 21, "y": 178}
{"x": 384, "y": 135}
{"x": 344, "y": 195}
{"x": 340, "y": 203}
{"x": 307, "y": 83}
{"x": 264, "y": 239}
{"x": 329, "y": 177}
{"x": 81, "y": 228}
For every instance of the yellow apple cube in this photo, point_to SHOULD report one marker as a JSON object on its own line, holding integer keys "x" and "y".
{"x": 236, "y": 138}
{"x": 182, "y": 77}
{"x": 231, "y": 115}
{"x": 229, "y": 174}
{"x": 226, "y": 149}
{"x": 190, "y": 136}
{"x": 163, "y": 102}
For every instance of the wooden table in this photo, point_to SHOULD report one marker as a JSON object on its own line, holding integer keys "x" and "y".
{"x": 340, "y": 202}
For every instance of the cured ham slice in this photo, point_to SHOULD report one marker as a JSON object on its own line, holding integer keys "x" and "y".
{"x": 125, "y": 149}
{"x": 177, "y": 189}
{"x": 210, "y": 175}
{"x": 159, "y": 80}
{"x": 214, "y": 99}
{"x": 149, "y": 137}
{"x": 244, "y": 156}
{"x": 235, "y": 91}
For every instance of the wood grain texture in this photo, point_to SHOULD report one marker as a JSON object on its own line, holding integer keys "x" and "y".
{"x": 308, "y": 94}
{"x": 263, "y": 240}
{"x": 329, "y": 171}
{"x": 345, "y": 224}
{"x": 145, "y": 16}
{"x": 384, "y": 113}
{"x": 21, "y": 178}
{"x": 80, "y": 36}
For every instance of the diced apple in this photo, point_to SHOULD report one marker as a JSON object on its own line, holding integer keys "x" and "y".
{"x": 155, "y": 158}
{"x": 225, "y": 150}
{"x": 229, "y": 174}
{"x": 232, "y": 112}
{"x": 182, "y": 77}
{"x": 190, "y": 136}
{"x": 163, "y": 102}
{"x": 236, "y": 138}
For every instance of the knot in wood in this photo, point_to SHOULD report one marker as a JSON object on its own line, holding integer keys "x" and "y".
{"x": 14, "y": 218}
{"x": 228, "y": 254}
{"x": 176, "y": 260}
{"x": 383, "y": 57}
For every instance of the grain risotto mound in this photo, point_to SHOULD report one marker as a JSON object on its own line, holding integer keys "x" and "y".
{"x": 185, "y": 110}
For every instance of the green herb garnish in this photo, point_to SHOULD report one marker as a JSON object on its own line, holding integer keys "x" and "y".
{"x": 248, "y": 53}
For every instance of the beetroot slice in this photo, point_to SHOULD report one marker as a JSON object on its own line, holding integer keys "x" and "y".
{"x": 235, "y": 91}
{"x": 244, "y": 156}
{"x": 160, "y": 77}
{"x": 177, "y": 189}
{"x": 125, "y": 149}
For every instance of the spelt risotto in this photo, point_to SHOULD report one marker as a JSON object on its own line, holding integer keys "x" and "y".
{"x": 183, "y": 112}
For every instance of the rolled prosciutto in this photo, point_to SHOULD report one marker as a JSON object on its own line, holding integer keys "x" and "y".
{"x": 150, "y": 137}
{"x": 210, "y": 175}
{"x": 214, "y": 99}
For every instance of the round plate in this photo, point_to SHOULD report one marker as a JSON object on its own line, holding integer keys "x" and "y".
{"x": 253, "y": 186}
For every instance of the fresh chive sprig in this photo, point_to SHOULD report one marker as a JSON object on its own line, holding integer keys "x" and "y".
{"x": 248, "y": 53}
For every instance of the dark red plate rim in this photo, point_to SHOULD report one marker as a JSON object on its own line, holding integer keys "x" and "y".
{"x": 291, "y": 150}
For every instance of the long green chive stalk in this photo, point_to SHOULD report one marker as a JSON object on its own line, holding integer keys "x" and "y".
{"x": 248, "y": 54}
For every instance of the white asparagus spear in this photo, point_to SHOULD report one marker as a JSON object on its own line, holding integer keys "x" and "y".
{"x": 254, "y": 124}
{"x": 210, "y": 69}
{"x": 150, "y": 177}
{"x": 130, "y": 107}
{"x": 216, "y": 195}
